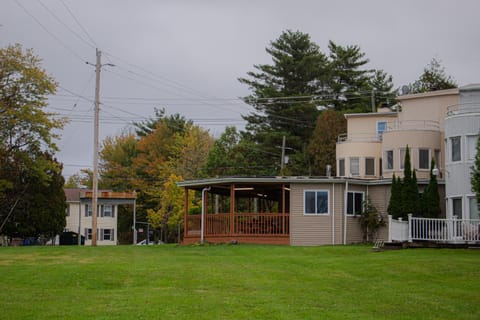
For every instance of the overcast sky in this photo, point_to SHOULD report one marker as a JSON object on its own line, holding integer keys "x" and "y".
{"x": 186, "y": 56}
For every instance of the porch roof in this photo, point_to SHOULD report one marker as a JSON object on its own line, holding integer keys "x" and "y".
{"x": 279, "y": 180}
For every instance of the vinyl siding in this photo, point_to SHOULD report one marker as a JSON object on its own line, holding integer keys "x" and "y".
{"x": 310, "y": 230}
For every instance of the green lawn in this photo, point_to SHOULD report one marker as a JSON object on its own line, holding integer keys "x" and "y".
{"x": 238, "y": 282}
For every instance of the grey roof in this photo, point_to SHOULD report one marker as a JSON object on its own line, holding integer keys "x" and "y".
{"x": 198, "y": 184}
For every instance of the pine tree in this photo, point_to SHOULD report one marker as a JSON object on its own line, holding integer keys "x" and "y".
{"x": 298, "y": 70}
{"x": 431, "y": 197}
{"x": 410, "y": 198}
{"x": 394, "y": 205}
{"x": 433, "y": 78}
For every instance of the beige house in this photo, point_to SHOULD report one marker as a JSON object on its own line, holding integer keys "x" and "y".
{"x": 375, "y": 144}
{"x": 320, "y": 211}
{"x": 79, "y": 213}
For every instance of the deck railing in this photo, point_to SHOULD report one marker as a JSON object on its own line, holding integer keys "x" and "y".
{"x": 439, "y": 230}
{"x": 245, "y": 224}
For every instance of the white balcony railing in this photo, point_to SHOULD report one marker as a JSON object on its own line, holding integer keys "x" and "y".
{"x": 438, "y": 230}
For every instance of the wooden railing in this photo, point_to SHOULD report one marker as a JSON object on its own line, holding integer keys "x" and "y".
{"x": 245, "y": 224}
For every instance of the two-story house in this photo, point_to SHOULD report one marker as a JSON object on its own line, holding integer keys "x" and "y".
{"x": 79, "y": 213}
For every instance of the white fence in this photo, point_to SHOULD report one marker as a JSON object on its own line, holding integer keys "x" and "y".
{"x": 398, "y": 230}
{"x": 440, "y": 230}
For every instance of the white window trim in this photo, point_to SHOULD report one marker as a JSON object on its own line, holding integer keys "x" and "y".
{"x": 350, "y": 166}
{"x": 385, "y": 163}
{"x": 374, "y": 166}
{"x": 450, "y": 142}
{"x": 429, "y": 159}
{"x": 400, "y": 167}
{"x": 450, "y": 204}
{"x": 338, "y": 167}
{"x": 467, "y": 149}
{"x": 328, "y": 202}
{"x": 363, "y": 199}
{"x": 380, "y": 136}
{"x": 469, "y": 196}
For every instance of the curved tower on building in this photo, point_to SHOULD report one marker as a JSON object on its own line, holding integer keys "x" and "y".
{"x": 462, "y": 127}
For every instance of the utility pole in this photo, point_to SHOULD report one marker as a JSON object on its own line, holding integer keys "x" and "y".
{"x": 282, "y": 161}
{"x": 98, "y": 67}
{"x": 374, "y": 109}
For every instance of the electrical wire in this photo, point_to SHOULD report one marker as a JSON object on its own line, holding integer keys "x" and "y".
{"x": 79, "y": 24}
{"x": 49, "y": 32}
{"x": 65, "y": 25}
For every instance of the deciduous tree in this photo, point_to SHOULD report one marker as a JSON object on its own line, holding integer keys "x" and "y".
{"x": 330, "y": 124}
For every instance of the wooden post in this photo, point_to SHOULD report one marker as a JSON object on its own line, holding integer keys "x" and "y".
{"x": 283, "y": 208}
{"x": 232, "y": 209}
{"x": 185, "y": 219}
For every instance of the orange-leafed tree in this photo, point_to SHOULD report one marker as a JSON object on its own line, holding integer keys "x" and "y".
{"x": 330, "y": 124}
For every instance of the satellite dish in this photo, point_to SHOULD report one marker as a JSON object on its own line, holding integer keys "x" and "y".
{"x": 405, "y": 90}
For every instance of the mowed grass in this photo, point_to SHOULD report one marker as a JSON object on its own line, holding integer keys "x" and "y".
{"x": 238, "y": 282}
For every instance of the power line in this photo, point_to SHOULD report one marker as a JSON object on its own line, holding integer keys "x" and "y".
{"x": 79, "y": 24}
{"x": 65, "y": 25}
{"x": 49, "y": 32}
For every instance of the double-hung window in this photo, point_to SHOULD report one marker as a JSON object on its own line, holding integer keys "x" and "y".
{"x": 369, "y": 166}
{"x": 107, "y": 234}
{"x": 316, "y": 202}
{"x": 456, "y": 148}
{"x": 354, "y": 202}
{"x": 472, "y": 147}
{"x": 381, "y": 128}
{"x": 389, "y": 160}
{"x": 423, "y": 159}
{"x": 107, "y": 210}
{"x": 341, "y": 167}
{"x": 355, "y": 166}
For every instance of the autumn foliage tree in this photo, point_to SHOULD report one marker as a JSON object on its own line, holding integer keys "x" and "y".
{"x": 330, "y": 124}
{"x": 28, "y": 170}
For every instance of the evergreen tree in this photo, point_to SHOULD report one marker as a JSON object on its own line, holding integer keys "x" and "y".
{"x": 349, "y": 83}
{"x": 282, "y": 96}
{"x": 431, "y": 197}
{"x": 394, "y": 206}
{"x": 433, "y": 78}
{"x": 410, "y": 197}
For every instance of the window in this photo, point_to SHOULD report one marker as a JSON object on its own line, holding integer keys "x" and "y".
{"x": 341, "y": 167}
{"x": 381, "y": 128}
{"x": 389, "y": 160}
{"x": 437, "y": 158}
{"x": 423, "y": 159}
{"x": 316, "y": 202}
{"x": 354, "y": 166}
{"x": 456, "y": 148}
{"x": 402, "y": 158}
{"x": 472, "y": 201}
{"x": 471, "y": 147}
{"x": 67, "y": 210}
{"x": 107, "y": 210}
{"x": 88, "y": 233}
{"x": 354, "y": 202}
{"x": 88, "y": 210}
{"x": 457, "y": 207}
{"x": 369, "y": 166}
{"x": 107, "y": 234}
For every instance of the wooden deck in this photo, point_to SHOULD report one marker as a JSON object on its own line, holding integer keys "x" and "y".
{"x": 261, "y": 228}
